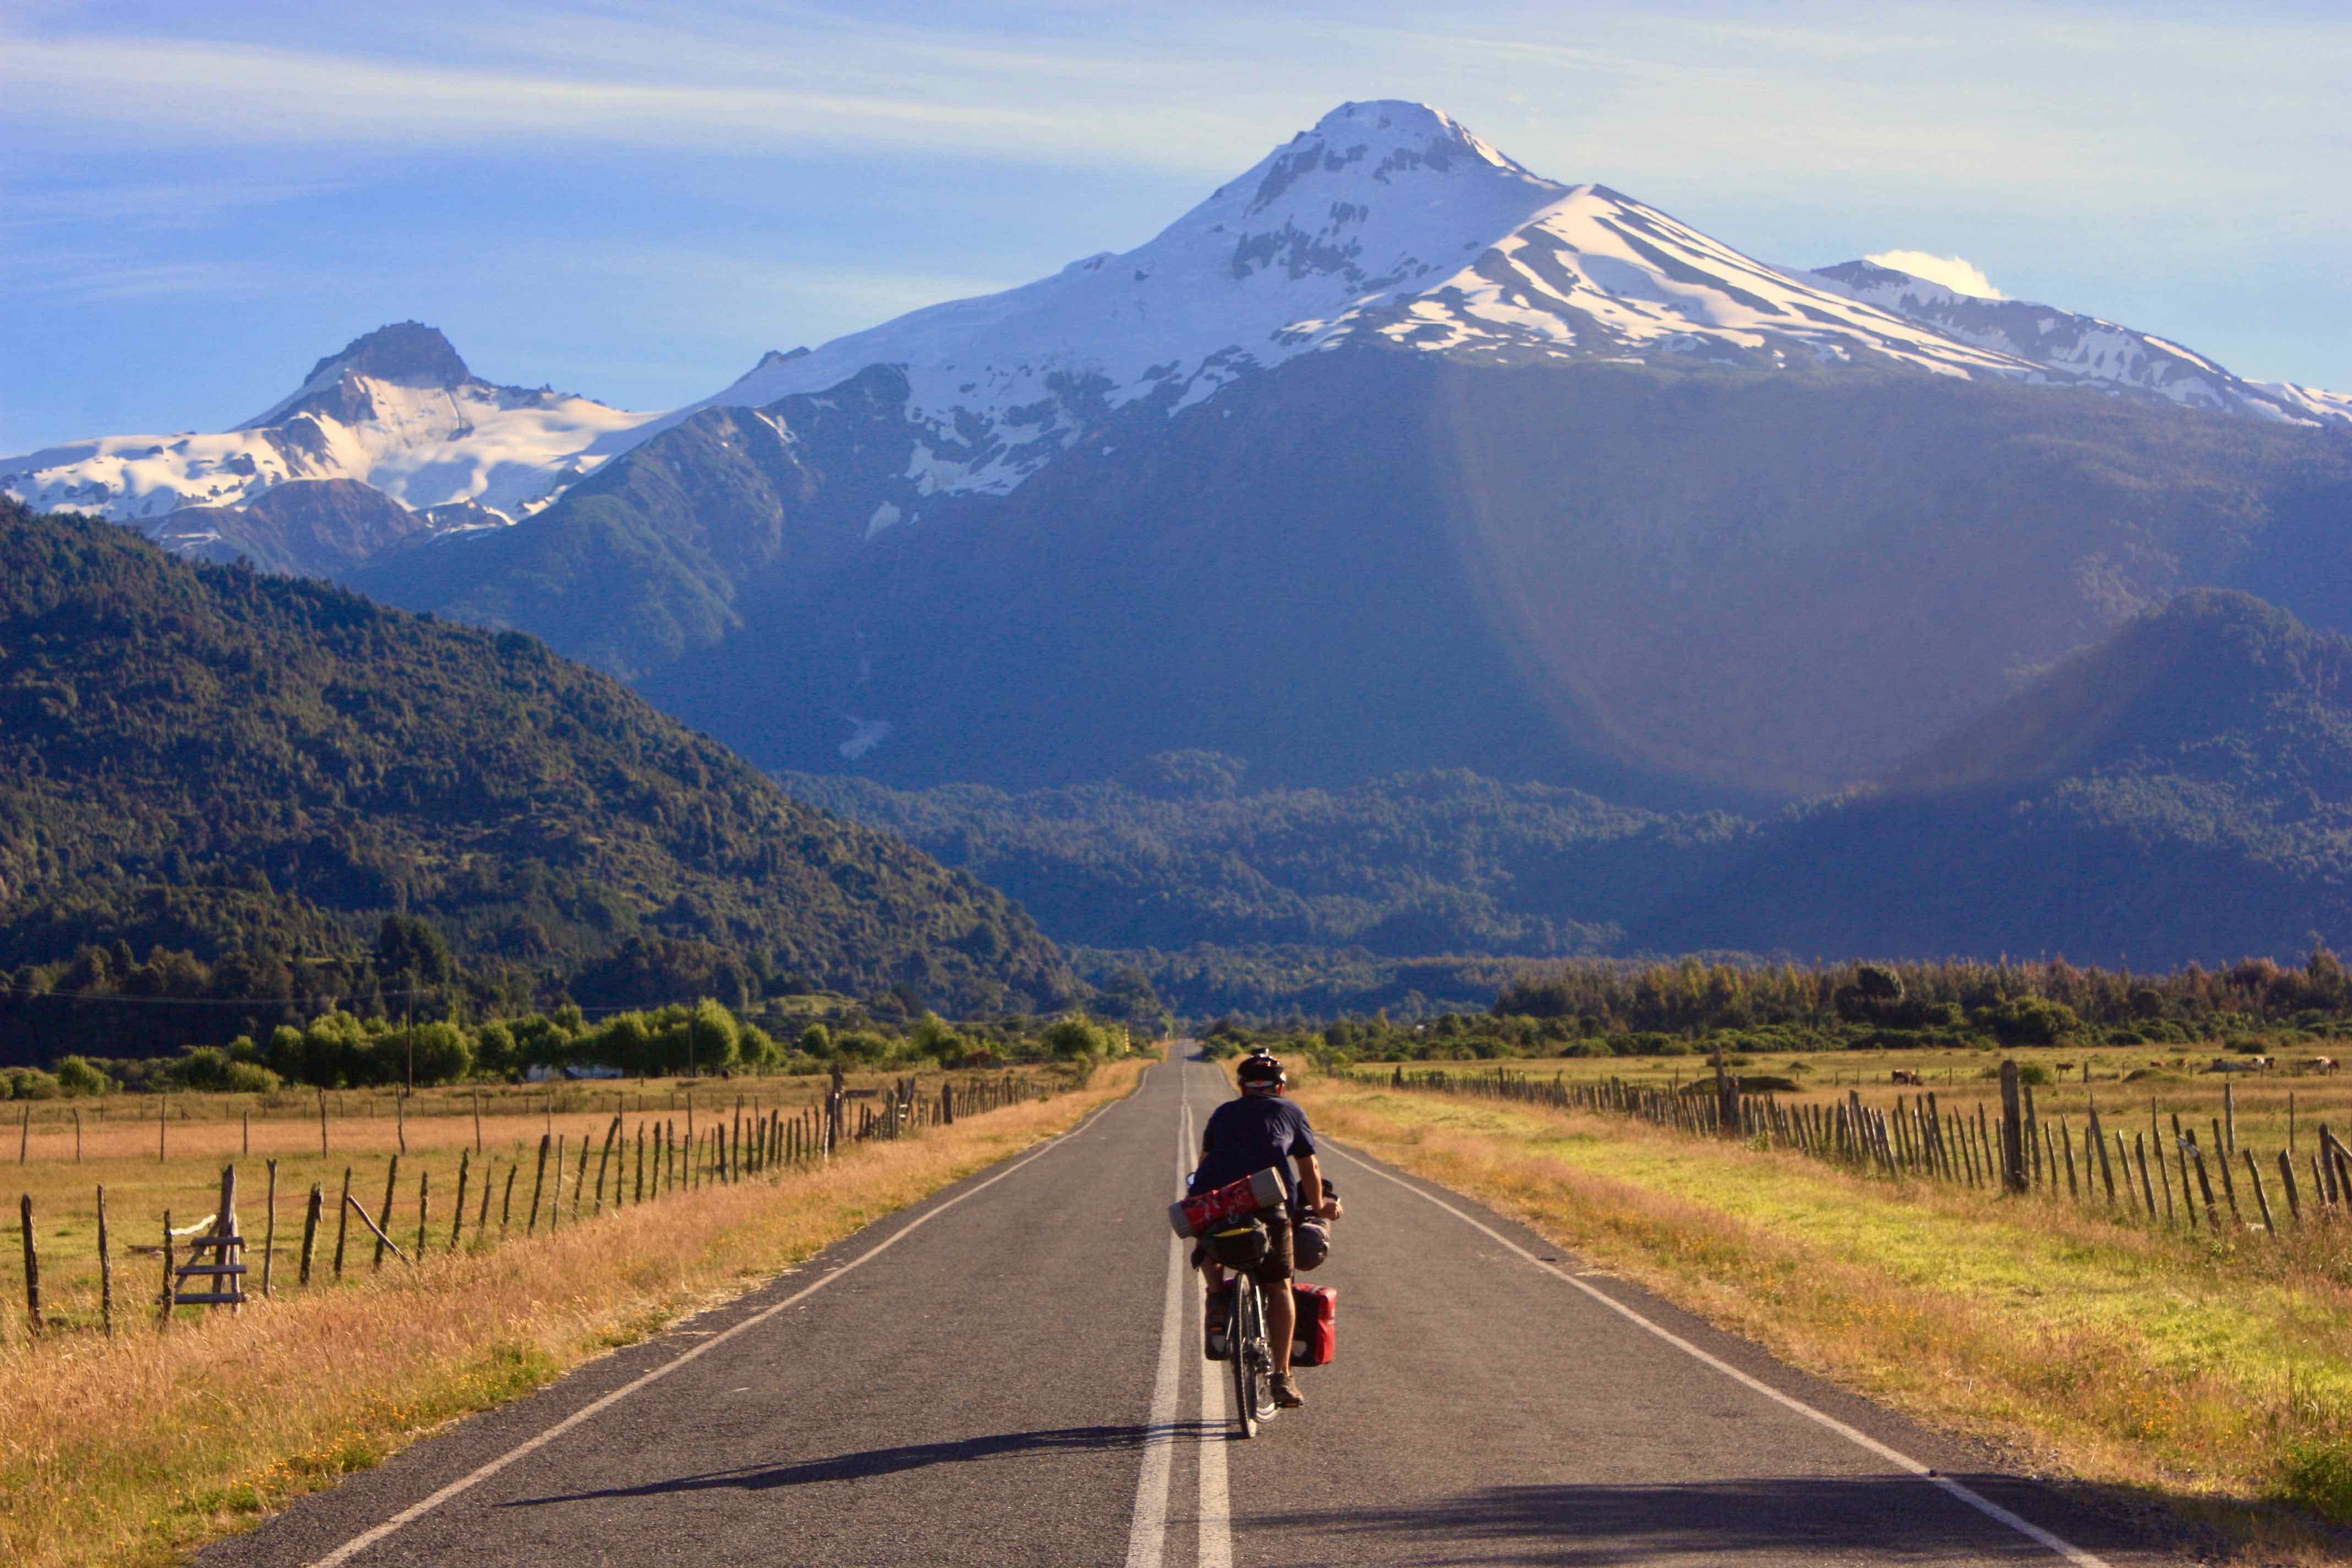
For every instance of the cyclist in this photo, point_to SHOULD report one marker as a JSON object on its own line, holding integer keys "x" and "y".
{"x": 1259, "y": 1129}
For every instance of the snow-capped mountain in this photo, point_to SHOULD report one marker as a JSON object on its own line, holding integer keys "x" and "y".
{"x": 1387, "y": 224}
{"x": 2087, "y": 349}
{"x": 396, "y": 409}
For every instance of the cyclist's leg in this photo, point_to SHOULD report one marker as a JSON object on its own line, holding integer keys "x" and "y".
{"x": 1274, "y": 1282}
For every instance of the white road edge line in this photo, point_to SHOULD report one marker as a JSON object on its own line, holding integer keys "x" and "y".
{"x": 1216, "y": 1509}
{"x": 1861, "y": 1439}
{"x": 416, "y": 1510}
{"x": 1216, "y": 1490}
{"x": 1147, "y": 1534}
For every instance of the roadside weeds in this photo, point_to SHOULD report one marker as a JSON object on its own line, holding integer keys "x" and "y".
{"x": 2079, "y": 1348}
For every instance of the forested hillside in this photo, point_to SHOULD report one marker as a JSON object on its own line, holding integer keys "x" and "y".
{"x": 2182, "y": 792}
{"x": 1180, "y": 851}
{"x": 218, "y": 784}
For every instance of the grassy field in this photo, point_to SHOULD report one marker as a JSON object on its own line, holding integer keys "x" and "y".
{"x": 118, "y": 1141}
{"x": 115, "y": 1450}
{"x": 2129, "y": 1085}
{"x": 2208, "y": 1375}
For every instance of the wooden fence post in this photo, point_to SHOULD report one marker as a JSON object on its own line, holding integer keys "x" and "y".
{"x": 539, "y": 1181}
{"x": 2261, "y": 1197}
{"x": 579, "y": 1178}
{"x": 2012, "y": 1129}
{"x": 322, "y": 1122}
{"x": 477, "y": 1122}
{"x": 458, "y": 1213}
{"x": 105, "y": 1269}
{"x": 269, "y": 1238}
{"x": 311, "y": 1217}
{"x": 342, "y": 1220}
{"x": 391, "y": 1183}
{"x": 505, "y": 1204}
{"x": 2287, "y": 1179}
{"x": 32, "y": 1266}
{"x": 603, "y": 1161}
{"x": 399, "y": 1116}
{"x": 165, "y": 1302}
{"x": 424, "y": 1209}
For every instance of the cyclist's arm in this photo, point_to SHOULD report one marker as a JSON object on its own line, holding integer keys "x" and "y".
{"x": 1310, "y": 1185}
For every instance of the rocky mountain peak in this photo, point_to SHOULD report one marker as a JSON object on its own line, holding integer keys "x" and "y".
{"x": 406, "y": 354}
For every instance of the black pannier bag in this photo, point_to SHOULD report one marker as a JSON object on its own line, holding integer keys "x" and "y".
{"x": 1310, "y": 1237}
{"x": 1242, "y": 1245}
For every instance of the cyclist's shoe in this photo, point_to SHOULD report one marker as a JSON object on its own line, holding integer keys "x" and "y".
{"x": 1220, "y": 1311}
{"x": 1286, "y": 1390}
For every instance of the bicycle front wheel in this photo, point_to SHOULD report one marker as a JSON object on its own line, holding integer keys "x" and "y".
{"x": 1245, "y": 1341}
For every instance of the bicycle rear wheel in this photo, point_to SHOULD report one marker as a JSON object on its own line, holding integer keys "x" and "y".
{"x": 1245, "y": 1341}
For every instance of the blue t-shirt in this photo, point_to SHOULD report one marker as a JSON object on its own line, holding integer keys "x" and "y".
{"x": 1249, "y": 1135}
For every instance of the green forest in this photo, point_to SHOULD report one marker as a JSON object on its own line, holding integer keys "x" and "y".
{"x": 340, "y": 1050}
{"x": 2180, "y": 793}
{"x": 219, "y": 784}
{"x": 1695, "y": 1006}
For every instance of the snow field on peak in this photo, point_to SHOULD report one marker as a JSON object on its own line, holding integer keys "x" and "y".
{"x": 500, "y": 447}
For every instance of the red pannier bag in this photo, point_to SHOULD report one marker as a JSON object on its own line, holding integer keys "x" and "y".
{"x": 1317, "y": 1338}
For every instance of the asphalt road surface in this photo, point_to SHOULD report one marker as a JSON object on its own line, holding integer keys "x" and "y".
{"x": 1011, "y": 1373}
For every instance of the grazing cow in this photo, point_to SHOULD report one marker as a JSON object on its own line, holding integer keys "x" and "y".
{"x": 1905, "y": 1075}
{"x": 2319, "y": 1064}
{"x": 2063, "y": 1067}
{"x": 2240, "y": 1063}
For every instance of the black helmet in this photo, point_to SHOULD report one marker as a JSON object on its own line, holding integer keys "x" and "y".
{"x": 1260, "y": 1067}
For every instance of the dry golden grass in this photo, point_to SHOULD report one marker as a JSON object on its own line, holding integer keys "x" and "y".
{"x": 2216, "y": 1384}
{"x": 134, "y": 1449}
{"x": 118, "y": 1141}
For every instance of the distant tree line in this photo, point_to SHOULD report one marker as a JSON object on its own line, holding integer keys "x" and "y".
{"x": 1694, "y": 1005}
{"x": 341, "y": 1050}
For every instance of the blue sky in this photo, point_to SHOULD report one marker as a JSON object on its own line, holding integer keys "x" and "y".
{"x": 634, "y": 201}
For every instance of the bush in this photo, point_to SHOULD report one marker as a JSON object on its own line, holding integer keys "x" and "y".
{"x": 2028, "y": 1021}
{"x": 28, "y": 1083}
{"x": 1080, "y": 1039}
{"x": 76, "y": 1076}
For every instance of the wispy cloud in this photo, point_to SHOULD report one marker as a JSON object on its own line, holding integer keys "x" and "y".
{"x": 253, "y": 93}
{"x": 114, "y": 279}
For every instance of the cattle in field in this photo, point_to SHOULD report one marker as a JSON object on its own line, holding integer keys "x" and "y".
{"x": 2318, "y": 1064}
{"x": 2239, "y": 1063}
{"x": 1905, "y": 1075}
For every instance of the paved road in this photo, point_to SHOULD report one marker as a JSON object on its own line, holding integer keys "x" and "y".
{"x": 1011, "y": 1373}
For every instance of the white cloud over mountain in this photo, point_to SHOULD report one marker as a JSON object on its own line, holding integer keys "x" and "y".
{"x": 1951, "y": 271}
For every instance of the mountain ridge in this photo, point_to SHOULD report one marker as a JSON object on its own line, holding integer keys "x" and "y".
{"x": 1388, "y": 222}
